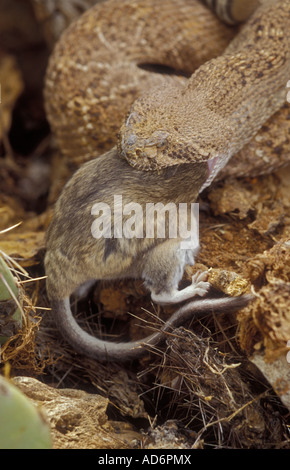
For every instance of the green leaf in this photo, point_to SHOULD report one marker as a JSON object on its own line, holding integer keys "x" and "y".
{"x": 22, "y": 424}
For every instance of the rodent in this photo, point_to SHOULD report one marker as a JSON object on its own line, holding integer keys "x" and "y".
{"x": 74, "y": 256}
{"x": 166, "y": 155}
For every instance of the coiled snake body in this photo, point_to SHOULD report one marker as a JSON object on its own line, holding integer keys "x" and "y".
{"x": 94, "y": 76}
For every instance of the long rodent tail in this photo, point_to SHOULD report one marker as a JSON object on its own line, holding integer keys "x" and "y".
{"x": 107, "y": 351}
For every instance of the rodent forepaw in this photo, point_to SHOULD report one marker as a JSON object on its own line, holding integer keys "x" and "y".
{"x": 199, "y": 276}
{"x": 201, "y": 286}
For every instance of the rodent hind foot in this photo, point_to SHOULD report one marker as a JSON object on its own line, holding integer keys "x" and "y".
{"x": 198, "y": 287}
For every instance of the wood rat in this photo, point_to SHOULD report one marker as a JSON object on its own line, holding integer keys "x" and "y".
{"x": 74, "y": 256}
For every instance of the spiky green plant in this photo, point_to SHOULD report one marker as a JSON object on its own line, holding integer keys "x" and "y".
{"x": 10, "y": 311}
{"x": 22, "y": 423}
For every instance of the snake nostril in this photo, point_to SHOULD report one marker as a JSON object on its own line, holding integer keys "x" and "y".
{"x": 151, "y": 152}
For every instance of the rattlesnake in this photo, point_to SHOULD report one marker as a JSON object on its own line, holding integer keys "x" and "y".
{"x": 94, "y": 74}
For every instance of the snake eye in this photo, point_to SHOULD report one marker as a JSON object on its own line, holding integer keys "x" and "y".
{"x": 159, "y": 138}
{"x": 132, "y": 139}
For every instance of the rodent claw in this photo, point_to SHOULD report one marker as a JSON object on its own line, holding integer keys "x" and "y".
{"x": 202, "y": 288}
{"x": 199, "y": 276}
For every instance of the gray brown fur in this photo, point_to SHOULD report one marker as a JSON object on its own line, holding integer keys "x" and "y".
{"x": 74, "y": 256}
{"x": 120, "y": 352}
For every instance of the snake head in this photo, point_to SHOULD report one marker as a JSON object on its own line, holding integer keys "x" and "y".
{"x": 141, "y": 149}
{"x": 169, "y": 127}
{"x": 153, "y": 136}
